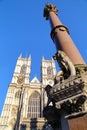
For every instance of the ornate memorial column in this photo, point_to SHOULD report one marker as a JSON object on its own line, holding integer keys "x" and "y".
{"x": 60, "y": 35}
{"x": 69, "y": 91}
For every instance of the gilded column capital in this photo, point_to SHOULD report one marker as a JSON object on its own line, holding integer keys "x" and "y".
{"x": 49, "y": 8}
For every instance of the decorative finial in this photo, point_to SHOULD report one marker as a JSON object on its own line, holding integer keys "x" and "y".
{"x": 43, "y": 58}
{"x": 20, "y": 56}
{"x": 30, "y": 56}
{"x": 49, "y": 8}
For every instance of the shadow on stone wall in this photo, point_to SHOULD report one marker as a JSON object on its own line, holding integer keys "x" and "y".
{"x": 23, "y": 127}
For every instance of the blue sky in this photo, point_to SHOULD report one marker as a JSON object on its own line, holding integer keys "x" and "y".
{"x": 24, "y": 30}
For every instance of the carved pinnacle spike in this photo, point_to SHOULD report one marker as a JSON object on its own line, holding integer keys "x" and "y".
{"x": 49, "y": 8}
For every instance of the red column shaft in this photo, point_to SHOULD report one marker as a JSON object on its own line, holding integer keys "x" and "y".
{"x": 63, "y": 40}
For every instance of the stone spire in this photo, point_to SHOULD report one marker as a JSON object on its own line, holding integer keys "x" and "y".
{"x": 60, "y": 35}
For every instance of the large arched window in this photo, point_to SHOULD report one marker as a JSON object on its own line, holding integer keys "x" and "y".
{"x": 34, "y": 105}
{"x": 17, "y": 94}
{"x": 23, "y": 69}
{"x": 17, "y": 97}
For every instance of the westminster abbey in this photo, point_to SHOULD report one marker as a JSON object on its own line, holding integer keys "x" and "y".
{"x": 25, "y": 100}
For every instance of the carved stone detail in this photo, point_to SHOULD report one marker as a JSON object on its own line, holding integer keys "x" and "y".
{"x": 67, "y": 88}
{"x": 65, "y": 64}
{"x": 70, "y": 85}
{"x": 49, "y": 8}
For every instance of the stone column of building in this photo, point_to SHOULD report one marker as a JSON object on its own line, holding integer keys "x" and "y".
{"x": 60, "y": 35}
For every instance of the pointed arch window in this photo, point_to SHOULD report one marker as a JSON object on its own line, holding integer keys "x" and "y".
{"x": 34, "y": 105}
{"x": 17, "y": 97}
{"x": 17, "y": 94}
{"x": 49, "y": 70}
{"x": 23, "y": 69}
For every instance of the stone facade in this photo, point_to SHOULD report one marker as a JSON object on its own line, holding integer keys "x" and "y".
{"x": 25, "y": 100}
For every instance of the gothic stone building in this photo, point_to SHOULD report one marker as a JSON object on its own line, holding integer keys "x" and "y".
{"x": 25, "y": 100}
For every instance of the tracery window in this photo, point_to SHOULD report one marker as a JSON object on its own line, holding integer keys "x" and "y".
{"x": 17, "y": 97}
{"x": 34, "y": 107}
{"x": 17, "y": 94}
{"x": 49, "y": 70}
{"x": 23, "y": 69}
